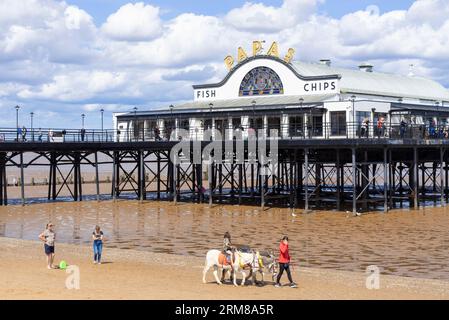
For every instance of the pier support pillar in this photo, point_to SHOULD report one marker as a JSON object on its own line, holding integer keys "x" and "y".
{"x": 22, "y": 180}
{"x": 385, "y": 180}
{"x": 354, "y": 181}
{"x": 414, "y": 177}
{"x": 306, "y": 180}
{"x": 97, "y": 178}
{"x": 442, "y": 175}
{"x": 3, "y": 180}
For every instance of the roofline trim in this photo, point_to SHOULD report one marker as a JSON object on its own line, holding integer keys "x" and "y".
{"x": 250, "y": 59}
{"x": 389, "y": 95}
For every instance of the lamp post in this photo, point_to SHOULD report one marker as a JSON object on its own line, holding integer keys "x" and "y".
{"x": 353, "y": 97}
{"x": 173, "y": 125}
{"x": 136, "y": 132}
{"x": 102, "y": 123}
{"x": 82, "y": 120}
{"x": 31, "y": 125}
{"x": 301, "y": 102}
{"x": 253, "y": 103}
{"x": 437, "y": 104}
{"x": 17, "y": 122}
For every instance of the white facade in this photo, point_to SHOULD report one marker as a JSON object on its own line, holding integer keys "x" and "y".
{"x": 312, "y": 95}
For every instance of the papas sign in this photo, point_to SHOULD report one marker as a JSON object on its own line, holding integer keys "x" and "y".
{"x": 257, "y": 49}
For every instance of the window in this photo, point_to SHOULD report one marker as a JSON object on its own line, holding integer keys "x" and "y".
{"x": 169, "y": 127}
{"x": 338, "y": 123}
{"x": 274, "y": 123}
{"x": 296, "y": 126}
{"x": 261, "y": 81}
{"x": 184, "y": 124}
{"x": 236, "y": 122}
{"x": 315, "y": 125}
{"x": 256, "y": 123}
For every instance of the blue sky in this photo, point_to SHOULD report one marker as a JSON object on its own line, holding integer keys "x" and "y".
{"x": 61, "y": 59}
{"x": 101, "y": 9}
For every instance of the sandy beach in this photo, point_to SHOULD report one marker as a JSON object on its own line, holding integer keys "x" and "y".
{"x": 132, "y": 274}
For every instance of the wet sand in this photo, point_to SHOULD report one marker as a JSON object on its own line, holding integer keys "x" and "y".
{"x": 402, "y": 243}
{"x": 132, "y": 274}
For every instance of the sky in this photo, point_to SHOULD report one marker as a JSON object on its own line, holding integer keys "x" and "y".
{"x": 60, "y": 59}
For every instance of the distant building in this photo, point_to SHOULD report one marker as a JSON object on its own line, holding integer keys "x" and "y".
{"x": 299, "y": 100}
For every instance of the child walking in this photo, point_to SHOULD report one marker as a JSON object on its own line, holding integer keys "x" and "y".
{"x": 97, "y": 237}
{"x": 48, "y": 237}
{"x": 284, "y": 263}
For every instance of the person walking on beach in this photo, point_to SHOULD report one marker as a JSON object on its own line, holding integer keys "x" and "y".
{"x": 97, "y": 237}
{"x": 284, "y": 263}
{"x": 48, "y": 237}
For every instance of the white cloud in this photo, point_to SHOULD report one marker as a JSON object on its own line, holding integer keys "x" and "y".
{"x": 133, "y": 22}
{"x": 75, "y": 18}
{"x": 258, "y": 17}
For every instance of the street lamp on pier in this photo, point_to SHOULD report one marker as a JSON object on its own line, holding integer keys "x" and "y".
{"x": 102, "y": 123}
{"x": 17, "y": 122}
{"x": 136, "y": 132}
{"x": 353, "y": 97}
{"x": 82, "y": 120}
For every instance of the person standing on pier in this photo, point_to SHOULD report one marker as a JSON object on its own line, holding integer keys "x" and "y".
{"x": 402, "y": 128}
{"x": 39, "y": 138}
{"x": 284, "y": 263}
{"x": 83, "y": 134}
{"x": 24, "y": 134}
{"x": 97, "y": 237}
{"x": 49, "y": 237}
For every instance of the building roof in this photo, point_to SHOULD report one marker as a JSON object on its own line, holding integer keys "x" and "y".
{"x": 266, "y": 101}
{"x": 377, "y": 83}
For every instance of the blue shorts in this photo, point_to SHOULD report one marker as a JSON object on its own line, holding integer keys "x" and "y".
{"x": 49, "y": 249}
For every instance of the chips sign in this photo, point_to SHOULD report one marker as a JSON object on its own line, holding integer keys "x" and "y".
{"x": 257, "y": 49}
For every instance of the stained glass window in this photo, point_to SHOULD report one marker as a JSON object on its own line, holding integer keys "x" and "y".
{"x": 261, "y": 81}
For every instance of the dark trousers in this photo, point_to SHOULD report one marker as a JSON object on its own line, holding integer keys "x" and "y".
{"x": 286, "y": 267}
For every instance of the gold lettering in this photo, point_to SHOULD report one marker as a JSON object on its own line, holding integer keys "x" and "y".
{"x": 229, "y": 62}
{"x": 241, "y": 54}
{"x": 273, "y": 51}
{"x": 289, "y": 56}
{"x": 257, "y": 47}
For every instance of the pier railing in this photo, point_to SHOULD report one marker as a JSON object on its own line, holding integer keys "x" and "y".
{"x": 279, "y": 131}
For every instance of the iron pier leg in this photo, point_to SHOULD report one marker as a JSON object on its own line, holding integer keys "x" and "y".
{"x": 354, "y": 177}
{"x": 442, "y": 175}
{"x": 209, "y": 179}
{"x": 306, "y": 180}
{"x": 22, "y": 180}
{"x": 97, "y": 178}
{"x": 385, "y": 181}
{"x": 114, "y": 177}
{"x": 338, "y": 181}
{"x": 141, "y": 176}
{"x": 415, "y": 177}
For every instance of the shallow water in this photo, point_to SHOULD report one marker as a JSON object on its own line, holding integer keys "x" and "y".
{"x": 406, "y": 243}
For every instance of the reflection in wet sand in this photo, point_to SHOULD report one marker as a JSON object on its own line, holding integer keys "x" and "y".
{"x": 407, "y": 243}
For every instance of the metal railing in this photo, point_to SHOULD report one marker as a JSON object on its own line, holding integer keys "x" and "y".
{"x": 281, "y": 131}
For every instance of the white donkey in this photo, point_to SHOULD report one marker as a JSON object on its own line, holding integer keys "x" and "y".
{"x": 215, "y": 258}
{"x": 256, "y": 262}
{"x": 263, "y": 261}
{"x": 241, "y": 262}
